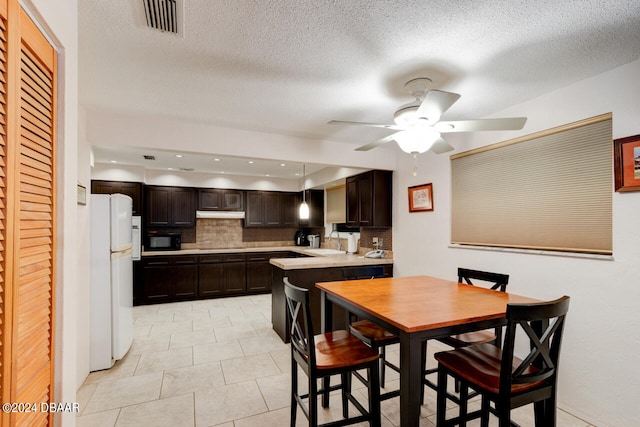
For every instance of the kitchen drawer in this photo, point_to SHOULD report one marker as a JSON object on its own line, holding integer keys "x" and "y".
{"x": 235, "y": 257}
{"x": 212, "y": 258}
{"x": 157, "y": 261}
{"x": 182, "y": 260}
{"x": 259, "y": 256}
{"x": 215, "y": 258}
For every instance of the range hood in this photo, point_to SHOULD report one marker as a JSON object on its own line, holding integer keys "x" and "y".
{"x": 220, "y": 214}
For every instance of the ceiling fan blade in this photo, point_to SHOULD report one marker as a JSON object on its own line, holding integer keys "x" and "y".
{"x": 436, "y": 103}
{"x": 375, "y": 125}
{"x": 441, "y": 146}
{"x": 377, "y": 143}
{"x": 510, "y": 123}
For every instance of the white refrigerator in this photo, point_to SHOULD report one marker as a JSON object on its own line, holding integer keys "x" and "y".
{"x": 111, "y": 330}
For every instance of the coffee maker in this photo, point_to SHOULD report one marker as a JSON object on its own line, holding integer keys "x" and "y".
{"x": 300, "y": 238}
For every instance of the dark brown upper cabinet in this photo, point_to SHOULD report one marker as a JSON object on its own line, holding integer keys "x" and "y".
{"x": 271, "y": 209}
{"x": 290, "y": 205}
{"x": 170, "y": 206}
{"x": 213, "y": 199}
{"x": 369, "y": 199}
{"x": 131, "y": 189}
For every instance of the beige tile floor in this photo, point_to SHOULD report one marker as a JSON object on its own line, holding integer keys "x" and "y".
{"x": 218, "y": 363}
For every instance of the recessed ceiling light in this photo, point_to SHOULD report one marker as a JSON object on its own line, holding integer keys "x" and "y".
{"x": 283, "y": 164}
{"x": 216, "y": 160}
{"x": 179, "y": 155}
{"x": 251, "y": 162}
{"x": 113, "y": 161}
{"x": 267, "y": 175}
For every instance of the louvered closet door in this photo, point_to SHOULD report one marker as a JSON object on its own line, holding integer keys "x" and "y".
{"x": 4, "y": 366}
{"x": 32, "y": 361}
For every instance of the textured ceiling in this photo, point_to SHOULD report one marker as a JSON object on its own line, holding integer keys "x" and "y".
{"x": 290, "y": 66}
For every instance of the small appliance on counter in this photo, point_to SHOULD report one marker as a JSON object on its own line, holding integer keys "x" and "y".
{"x": 352, "y": 243}
{"x": 314, "y": 240}
{"x": 301, "y": 238}
{"x": 163, "y": 241}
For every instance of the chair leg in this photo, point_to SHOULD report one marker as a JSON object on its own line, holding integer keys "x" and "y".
{"x": 441, "y": 401}
{"x": 345, "y": 391}
{"x": 484, "y": 417}
{"x": 326, "y": 384}
{"x": 464, "y": 401}
{"x": 313, "y": 402}
{"x": 383, "y": 359}
{"x": 294, "y": 390}
{"x": 374, "y": 396}
{"x": 504, "y": 414}
{"x": 545, "y": 412}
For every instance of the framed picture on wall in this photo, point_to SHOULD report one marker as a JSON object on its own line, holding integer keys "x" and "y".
{"x": 421, "y": 198}
{"x": 626, "y": 163}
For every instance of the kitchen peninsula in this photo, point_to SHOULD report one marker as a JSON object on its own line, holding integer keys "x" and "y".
{"x": 306, "y": 272}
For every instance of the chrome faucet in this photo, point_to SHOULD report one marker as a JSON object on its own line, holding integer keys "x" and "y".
{"x": 339, "y": 242}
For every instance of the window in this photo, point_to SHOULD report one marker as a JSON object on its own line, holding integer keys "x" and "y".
{"x": 551, "y": 190}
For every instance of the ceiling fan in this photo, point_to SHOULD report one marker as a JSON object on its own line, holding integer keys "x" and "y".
{"x": 418, "y": 126}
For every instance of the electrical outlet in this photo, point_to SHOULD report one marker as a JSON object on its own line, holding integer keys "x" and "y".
{"x": 375, "y": 242}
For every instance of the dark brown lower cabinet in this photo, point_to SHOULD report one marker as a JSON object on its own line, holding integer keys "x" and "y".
{"x": 221, "y": 274}
{"x": 234, "y": 273}
{"x": 210, "y": 280}
{"x": 169, "y": 278}
{"x": 259, "y": 271}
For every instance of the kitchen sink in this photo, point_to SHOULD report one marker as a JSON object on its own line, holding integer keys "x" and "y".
{"x": 325, "y": 251}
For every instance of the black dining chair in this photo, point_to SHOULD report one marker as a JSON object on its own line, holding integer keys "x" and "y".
{"x": 501, "y": 377}
{"x": 371, "y": 334}
{"x": 321, "y": 356}
{"x": 497, "y": 282}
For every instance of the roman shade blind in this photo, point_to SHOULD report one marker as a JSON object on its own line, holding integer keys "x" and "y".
{"x": 551, "y": 190}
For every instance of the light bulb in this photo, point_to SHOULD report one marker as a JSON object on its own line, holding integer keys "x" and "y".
{"x": 304, "y": 210}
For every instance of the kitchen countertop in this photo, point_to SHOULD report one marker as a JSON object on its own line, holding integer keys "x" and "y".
{"x": 299, "y": 249}
{"x": 327, "y": 261}
{"x": 312, "y": 261}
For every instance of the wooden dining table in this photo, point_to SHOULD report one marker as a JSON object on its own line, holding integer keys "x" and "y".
{"x": 417, "y": 308}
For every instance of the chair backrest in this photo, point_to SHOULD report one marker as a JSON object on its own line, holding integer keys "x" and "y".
{"x": 299, "y": 314}
{"x": 543, "y": 324}
{"x": 498, "y": 281}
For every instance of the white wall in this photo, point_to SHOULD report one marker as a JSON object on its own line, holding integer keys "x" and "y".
{"x": 105, "y": 129}
{"x": 598, "y": 375}
{"x": 59, "y": 21}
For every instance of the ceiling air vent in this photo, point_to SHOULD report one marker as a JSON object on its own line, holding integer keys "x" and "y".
{"x": 149, "y": 157}
{"x": 163, "y": 15}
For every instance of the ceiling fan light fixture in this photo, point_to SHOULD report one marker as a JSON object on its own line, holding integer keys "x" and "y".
{"x": 407, "y": 116}
{"x": 416, "y": 140}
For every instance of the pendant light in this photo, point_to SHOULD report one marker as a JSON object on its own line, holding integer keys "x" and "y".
{"x": 304, "y": 208}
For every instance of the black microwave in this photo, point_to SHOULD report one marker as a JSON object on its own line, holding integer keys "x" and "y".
{"x": 163, "y": 242}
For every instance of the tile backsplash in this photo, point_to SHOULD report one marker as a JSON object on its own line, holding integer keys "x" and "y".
{"x": 229, "y": 233}
{"x": 219, "y": 233}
